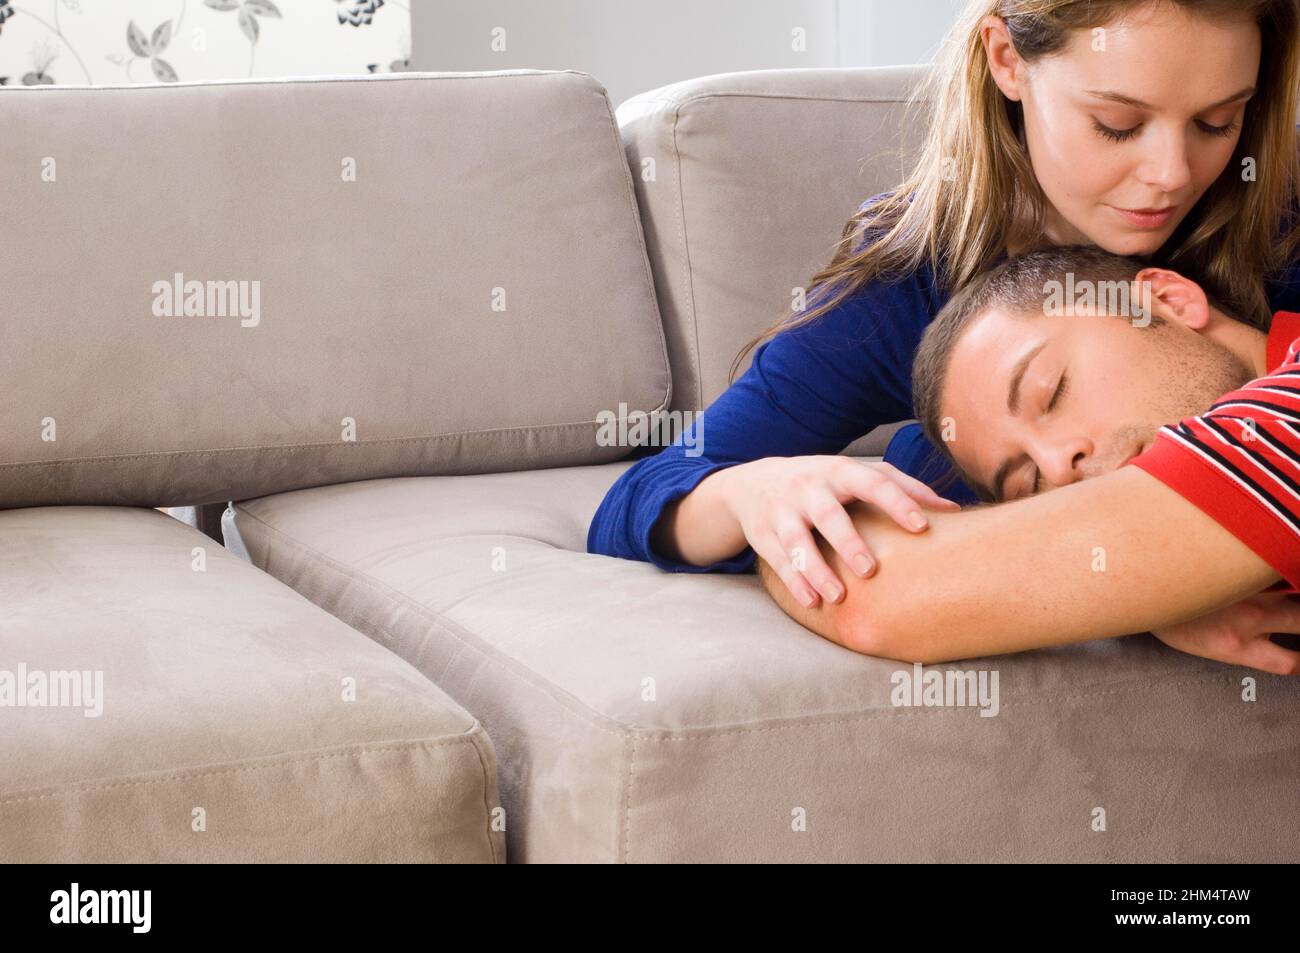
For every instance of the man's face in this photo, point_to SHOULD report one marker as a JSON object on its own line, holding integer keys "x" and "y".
{"x": 1040, "y": 401}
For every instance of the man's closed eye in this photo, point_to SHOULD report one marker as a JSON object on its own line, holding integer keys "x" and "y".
{"x": 1062, "y": 386}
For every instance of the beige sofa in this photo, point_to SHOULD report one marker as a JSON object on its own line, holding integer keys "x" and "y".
{"x": 456, "y": 275}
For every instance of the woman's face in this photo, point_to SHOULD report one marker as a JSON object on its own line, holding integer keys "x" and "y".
{"x": 1128, "y": 126}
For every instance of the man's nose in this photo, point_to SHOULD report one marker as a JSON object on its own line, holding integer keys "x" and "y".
{"x": 1067, "y": 462}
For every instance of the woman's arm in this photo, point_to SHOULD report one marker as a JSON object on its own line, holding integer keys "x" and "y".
{"x": 810, "y": 391}
{"x": 699, "y": 529}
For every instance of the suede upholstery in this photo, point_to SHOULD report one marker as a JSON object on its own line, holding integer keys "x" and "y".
{"x": 225, "y": 730}
{"x": 443, "y": 273}
{"x": 645, "y": 716}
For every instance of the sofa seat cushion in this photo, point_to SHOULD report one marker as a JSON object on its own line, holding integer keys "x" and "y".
{"x": 213, "y": 717}
{"x": 647, "y": 716}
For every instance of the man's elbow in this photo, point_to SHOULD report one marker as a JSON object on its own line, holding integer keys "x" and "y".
{"x": 876, "y": 618}
{"x": 882, "y": 632}
{"x": 889, "y": 615}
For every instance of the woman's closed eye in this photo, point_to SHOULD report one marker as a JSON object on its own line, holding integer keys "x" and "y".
{"x": 1123, "y": 135}
{"x": 1114, "y": 135}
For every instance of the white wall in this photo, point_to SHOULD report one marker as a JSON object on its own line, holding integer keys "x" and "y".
{"x": 894, "y": 32}
{"x": 635, "y": 45}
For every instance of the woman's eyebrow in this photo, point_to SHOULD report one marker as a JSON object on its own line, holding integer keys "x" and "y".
{"x": 1130, "y": 101}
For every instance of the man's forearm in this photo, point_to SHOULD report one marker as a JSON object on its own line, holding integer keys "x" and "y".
{"x": 1110, "y": 556}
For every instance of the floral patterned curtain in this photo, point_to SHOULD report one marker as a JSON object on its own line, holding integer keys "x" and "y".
{"x": 165, "y": 41}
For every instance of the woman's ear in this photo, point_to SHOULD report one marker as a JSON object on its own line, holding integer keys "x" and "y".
{"x": 1005, "y": 65}
{"x": 1172, "y": 297}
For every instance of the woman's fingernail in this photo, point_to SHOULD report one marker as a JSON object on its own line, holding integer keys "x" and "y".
{"x": 916, "y": 521}
{"x": 861, "y": 564}
{"x": 807, "y": 600}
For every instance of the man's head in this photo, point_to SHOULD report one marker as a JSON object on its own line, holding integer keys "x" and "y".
{"x": 1062, "y": 364}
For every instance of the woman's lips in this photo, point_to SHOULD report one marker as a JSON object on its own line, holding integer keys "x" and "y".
{"x": 1145, "y": 217}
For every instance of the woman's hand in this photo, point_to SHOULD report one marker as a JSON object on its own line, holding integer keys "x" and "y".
{"x": 1239, "y": 634}
{"x": 778, "y": 500}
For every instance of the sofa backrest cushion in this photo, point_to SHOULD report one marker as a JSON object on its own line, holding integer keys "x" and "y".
{"x": 219, "y": 291}
{"x": 752, "y": 180}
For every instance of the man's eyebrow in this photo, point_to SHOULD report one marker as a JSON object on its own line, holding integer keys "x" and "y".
{"x": 1139, "y": 104}
{"x": 1018, "y": 373}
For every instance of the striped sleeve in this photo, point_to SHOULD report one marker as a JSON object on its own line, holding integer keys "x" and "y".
{"x": 1239, "y": 462}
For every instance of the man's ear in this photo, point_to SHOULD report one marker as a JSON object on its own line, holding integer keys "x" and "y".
{"x": 1173, "y": 297}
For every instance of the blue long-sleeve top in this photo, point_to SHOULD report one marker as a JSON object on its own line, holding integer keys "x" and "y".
{"x": 811, "y": 389}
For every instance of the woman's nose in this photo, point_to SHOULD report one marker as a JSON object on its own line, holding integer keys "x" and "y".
{"x": 1165, "y": 164}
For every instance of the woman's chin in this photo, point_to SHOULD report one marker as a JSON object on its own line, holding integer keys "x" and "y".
{"x": 1132, "y": 243}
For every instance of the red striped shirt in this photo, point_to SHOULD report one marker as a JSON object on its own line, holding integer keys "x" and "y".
{"x": 1239, "y": 462}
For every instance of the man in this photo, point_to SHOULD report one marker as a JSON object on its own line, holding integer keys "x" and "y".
{"x": 1182, "y": 530}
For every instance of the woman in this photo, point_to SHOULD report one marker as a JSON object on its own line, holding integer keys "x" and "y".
{"x": 1163, "y": 129}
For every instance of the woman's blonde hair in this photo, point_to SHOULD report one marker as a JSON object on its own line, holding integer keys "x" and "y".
{"x": 973, "y": 191}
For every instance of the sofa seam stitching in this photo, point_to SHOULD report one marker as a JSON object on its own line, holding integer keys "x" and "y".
{"x": 629, "y": 757}
{"x": 276, "y": 762}
{"x": 295, "y": 448}
{"x": 480, "y": 734}
{"x": 816, "y": 721}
